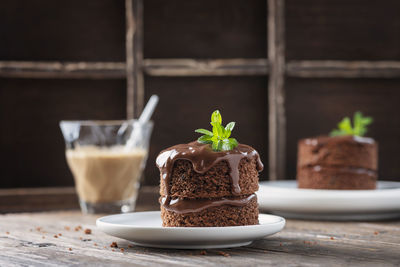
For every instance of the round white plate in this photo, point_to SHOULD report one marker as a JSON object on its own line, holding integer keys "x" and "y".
{"x": 144, "y": 229}
{"x": 285, "y": 199}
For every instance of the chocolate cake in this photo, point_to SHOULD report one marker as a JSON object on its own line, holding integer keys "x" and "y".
{"x": 341, "y": 162}
{"x": 202, "y": 187}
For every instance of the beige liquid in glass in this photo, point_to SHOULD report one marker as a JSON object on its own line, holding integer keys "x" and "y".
{"x": 106, "y": 174}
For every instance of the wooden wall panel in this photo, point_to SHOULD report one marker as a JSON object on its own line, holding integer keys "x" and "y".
{"x": 71, "y": 30}
{"x": 205, "y": 29}
{"x": 31, "y": 144}
{"x": 343, "y": 29}
{"x": 315, "y": 106}
{"x": 187, "y": 103}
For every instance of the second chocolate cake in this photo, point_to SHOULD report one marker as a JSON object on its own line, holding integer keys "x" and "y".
{"x": 203, "y": 187}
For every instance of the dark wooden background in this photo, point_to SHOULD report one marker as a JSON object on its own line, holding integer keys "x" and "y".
{"x": 31, "y": 145}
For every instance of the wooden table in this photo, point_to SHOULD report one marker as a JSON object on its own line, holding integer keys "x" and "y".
{"x": 50, "y": 239}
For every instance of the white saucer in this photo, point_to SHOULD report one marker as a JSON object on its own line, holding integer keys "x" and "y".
{"x": 144, "y": 229}
{"x": 285, "y": 199}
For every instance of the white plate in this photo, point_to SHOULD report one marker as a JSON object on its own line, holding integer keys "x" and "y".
{"x": 285, "y": 199}
{"x": 144, "y": 229}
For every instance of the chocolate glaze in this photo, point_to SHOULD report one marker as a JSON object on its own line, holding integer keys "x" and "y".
{"x": 180, "y": 205}
{"x": 318, "y": 168}
{"x": 203, "y": 158}
{"x": 323, "y": 140}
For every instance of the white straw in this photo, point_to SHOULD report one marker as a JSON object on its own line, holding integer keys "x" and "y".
{"x": 148, "y": 109}
{"x": 136, "y": 134}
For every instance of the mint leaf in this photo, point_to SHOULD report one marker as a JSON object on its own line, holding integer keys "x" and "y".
{"x": 216, "y": 117}
{"x": 345, "y": 125}
{"x": 205, "y": 139}
{"x": 359, "y": 127}
{"x": 215, "y": 129}
{"x": 357, "y": 121}
{"x": 226, "y": 145}
{"x": 216, "y": 146}
{"x": 230, "y": 126}
{"x": 219, "y": 130}
{"x": 228, "y": 129}
{"x": 219, "y": 137}
{"x": 233, "y": 141}
{"x": 204, "y": 131}
{"x": 337, "y": 133}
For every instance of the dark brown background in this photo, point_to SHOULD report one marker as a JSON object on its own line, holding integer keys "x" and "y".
{"x": 31, "y": 145}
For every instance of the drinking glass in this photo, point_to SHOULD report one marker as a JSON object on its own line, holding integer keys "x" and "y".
{"x": 107, "y": 159}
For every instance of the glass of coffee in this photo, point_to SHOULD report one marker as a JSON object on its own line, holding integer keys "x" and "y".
{"x": 107, "y": 159}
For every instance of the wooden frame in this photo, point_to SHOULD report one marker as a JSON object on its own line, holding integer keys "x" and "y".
{"x": 135, "y": 67}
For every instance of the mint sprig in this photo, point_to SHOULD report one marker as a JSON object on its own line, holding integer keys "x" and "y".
{"x": 359, "y": 127}
{"x": 219, "y": 137}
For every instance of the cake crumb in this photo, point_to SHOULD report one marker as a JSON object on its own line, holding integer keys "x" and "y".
{"x": 80, "y": 238}
{"x": 59, "y": 234}
{"x": 113, "y": 249}
{"x": 114, "y": 245}
{"x": 105, "y": 247}
{"x": 95, "y": 244}
{"x": 78, "y": 228}
{"x": 332, "y": 238}
{"x": 130, "y": 246}
{"x": 38, "y": 229}
{"x": 376, "y": 232}
{"x": 43, "y": 237}
{"x": 122, "y": 249}
{"x": 70, "y": 249}
{"x": 203, "y": 252}
{"x": 88, "y": 231}
{"x": 222, "y": 253}
{"x": 7, "y": 233}
{"x": 55, "y": 236}
{"x": 67, "y": 228}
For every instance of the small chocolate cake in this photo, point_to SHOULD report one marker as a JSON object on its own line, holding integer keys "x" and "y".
{"x": 203, "y": 188}
{"x": 342, "y": 162}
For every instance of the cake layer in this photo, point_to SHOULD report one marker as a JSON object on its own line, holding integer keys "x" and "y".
{"x": 319, "y": 177}
{"x": 222, "y": 214}
{"x": 187, "y": 205}
{"x": 194, "y": 170}
{"x": 351, "y": 151}
{"x": 185, "y": 182}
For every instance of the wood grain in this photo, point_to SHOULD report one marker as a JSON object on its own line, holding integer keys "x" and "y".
{"x": 62, "y": 70}
{"x": 61, "y": 198}
{"x": 301, "y": 243}
{"x": 276, "y": 93}
{"x": 343, "y": 69}
{"x": 205, "y": 67}
{"x": 138, "y": 52}
{"x": 130, "y": 59}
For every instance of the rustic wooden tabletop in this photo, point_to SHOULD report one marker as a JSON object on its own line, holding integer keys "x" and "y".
{"x": 59, "y": 238}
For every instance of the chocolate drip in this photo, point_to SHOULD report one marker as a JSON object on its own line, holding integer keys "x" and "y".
{"x": 324, "y": 140}
{"x": 180, "y": 205}
{"x": 357, "y": 170}
{"x": 203, "y": 158}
